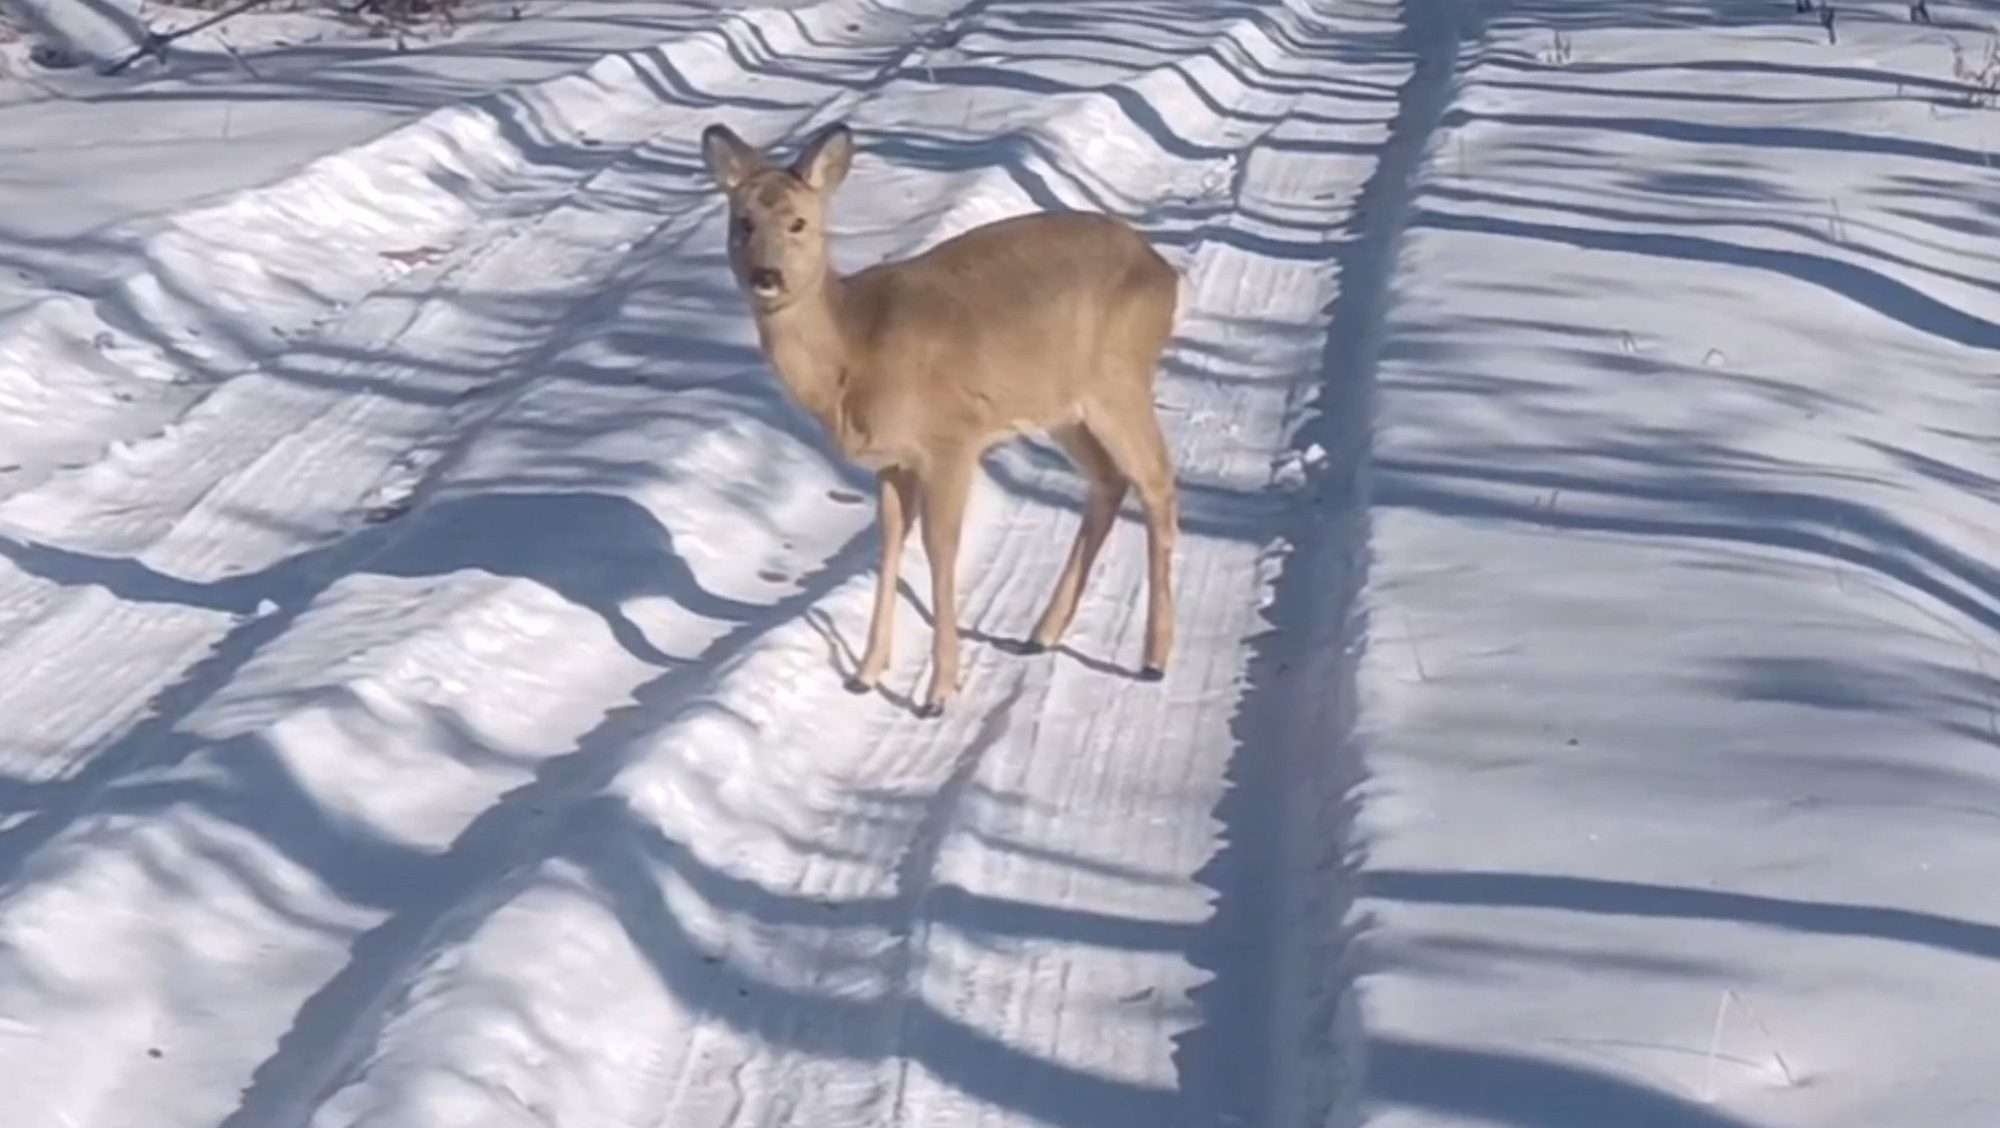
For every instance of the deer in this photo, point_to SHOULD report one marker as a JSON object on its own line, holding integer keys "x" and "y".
{"x": 1049, "y": 323}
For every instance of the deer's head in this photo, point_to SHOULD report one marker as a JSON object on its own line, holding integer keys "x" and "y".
{"x": 777, "y": 214}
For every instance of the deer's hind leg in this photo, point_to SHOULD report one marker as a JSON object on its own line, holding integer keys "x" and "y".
{"x": 1107, "y": 490}
{"x": 1130, "y": 435}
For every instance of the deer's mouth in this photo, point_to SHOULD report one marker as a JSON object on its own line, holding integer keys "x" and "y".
{"x": 766, "y": 282}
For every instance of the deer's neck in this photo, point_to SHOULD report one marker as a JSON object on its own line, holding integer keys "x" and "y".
{"x": 807, "y": 346}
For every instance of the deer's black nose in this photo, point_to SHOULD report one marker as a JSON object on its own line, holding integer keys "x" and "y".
{"x": 766, "y": 278}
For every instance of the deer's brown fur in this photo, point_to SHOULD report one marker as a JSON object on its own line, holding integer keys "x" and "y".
{"x": 1050, "y": 323}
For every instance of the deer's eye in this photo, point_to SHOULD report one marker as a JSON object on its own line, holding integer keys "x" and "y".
{"x": 745, "y": 226}
{"x": 798, "y": 225}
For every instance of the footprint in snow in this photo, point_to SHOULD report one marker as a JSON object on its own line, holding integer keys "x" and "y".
{"x": 846, "y": 497}
{"x": 414, "y": 256}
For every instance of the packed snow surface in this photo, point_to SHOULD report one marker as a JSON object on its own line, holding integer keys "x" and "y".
{"x": 423, "y": 617}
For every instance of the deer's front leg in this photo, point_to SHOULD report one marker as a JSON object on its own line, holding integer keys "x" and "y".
{"x": 898, "y": 508}
{"x": 947, "y": 482}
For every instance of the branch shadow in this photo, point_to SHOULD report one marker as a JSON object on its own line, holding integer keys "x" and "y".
{"x": 1517, "y": 1089}
{"x": 627, "y": 860}
{"x": 1644, "y": 899}
{"x": 1881, "y": 293}
{"x": 1694, "y": 507}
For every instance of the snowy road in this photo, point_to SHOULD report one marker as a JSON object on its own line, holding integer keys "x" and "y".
{"x": 439, "y": 720}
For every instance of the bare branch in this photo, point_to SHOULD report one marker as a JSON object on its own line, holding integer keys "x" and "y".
{"x": 156, "y": 42}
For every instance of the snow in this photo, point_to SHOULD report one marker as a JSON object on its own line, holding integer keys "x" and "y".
{"x": 423, "y": 617}
{"x": 1679, "y": 700}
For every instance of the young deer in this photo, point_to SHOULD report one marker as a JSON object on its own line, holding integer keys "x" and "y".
{"x": 1052, "y": 323}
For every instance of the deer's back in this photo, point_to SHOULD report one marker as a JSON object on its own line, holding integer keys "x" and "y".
{"x": 1016, "y": 320}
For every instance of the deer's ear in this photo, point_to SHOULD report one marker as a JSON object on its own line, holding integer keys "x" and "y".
{"x": 729, "y": 157}
{"x": 825, "y": 162}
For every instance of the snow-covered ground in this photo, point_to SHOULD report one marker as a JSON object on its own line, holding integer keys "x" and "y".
{"x": 1684, "y": 619}
{"x": 422, "y": 617}
{"x": 115, "y": 160}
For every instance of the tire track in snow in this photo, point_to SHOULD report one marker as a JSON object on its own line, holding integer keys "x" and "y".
{"x": 1310, "y": 1083}
{"x": 1114, "y": 733}
{"x": 1288, "y": 810}
{"x": 917, "y": 867}
{"x": 1027, "y": 548}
